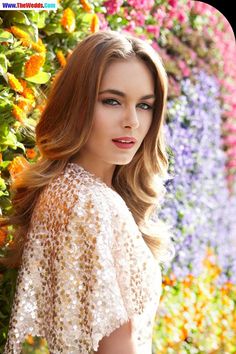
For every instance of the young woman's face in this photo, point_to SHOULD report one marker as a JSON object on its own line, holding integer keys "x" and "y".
{"x": 123, "y": 113}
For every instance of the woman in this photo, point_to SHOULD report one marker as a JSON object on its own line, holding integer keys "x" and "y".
{"x": 89, "y": 276}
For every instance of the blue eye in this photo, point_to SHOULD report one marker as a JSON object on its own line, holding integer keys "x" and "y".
{"x": 110, "y": 101}
{"x": 146, "y": 106}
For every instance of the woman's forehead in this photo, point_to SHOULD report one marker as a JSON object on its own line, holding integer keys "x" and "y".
{"x": 128, "y": 74}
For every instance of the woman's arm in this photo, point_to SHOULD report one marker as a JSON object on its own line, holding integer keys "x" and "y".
{"x": 119, "y": 342}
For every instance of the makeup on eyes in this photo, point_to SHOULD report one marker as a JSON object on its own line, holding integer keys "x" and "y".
{"x": 109, "y": 101}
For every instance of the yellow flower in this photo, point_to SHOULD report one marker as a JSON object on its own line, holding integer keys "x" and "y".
{"x": 14, "y": 83}
{"x": 43, "y": 341}
{"x": 68, "y": 20}
{"x": 18, "y": 113}
{"x": 30, "y": 339}
{"x": 61, "y": 58}
{"x": 94, "y": 26}
{"x": 86, "y": 6}
{"x": 34, "y": 64}
{"x": 18, "y": 33}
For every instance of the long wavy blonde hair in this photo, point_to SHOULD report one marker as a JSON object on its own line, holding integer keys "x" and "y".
{"x": 64, "y": 128}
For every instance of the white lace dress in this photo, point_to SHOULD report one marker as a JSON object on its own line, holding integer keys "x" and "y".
{"x": 86, "y": 270}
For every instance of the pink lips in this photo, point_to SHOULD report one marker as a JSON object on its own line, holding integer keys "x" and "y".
{"x": 124, "y": 142}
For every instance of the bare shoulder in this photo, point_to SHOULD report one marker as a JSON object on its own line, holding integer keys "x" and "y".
{"x": 120, "y": 341}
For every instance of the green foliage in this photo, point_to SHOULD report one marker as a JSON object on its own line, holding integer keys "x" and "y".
{"x": 7, "y": 287}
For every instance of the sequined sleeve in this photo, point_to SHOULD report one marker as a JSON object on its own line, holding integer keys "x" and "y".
{"x": 101, "y": 279}
{"x": 86, "y": 270}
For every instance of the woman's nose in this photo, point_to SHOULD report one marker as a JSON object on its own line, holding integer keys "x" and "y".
{"x": 130, "y": 118}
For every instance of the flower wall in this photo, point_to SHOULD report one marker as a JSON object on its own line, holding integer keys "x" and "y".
{"x": 197, "y": 311}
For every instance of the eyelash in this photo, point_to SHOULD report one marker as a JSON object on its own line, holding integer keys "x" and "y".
{"x": 106, "y": 101}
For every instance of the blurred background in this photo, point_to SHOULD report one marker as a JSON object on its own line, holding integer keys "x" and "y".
{"x": 197, "y": 312}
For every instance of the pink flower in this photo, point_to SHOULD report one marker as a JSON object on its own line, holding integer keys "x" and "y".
{"x": 230, "y": 140}
{"x": 130, "y": 27}
{"x": 103, "y": 25}
{"x": 184, "y": 68}
{"x": 230, "y": 178}
{"x": 182, "y": 17}
{"x": 154, "y": 29}
{"x": 231, "y": 152}
{"x": 172, "y": 14}
{"x": 155, "y": 46}
{"x": 230, "y": 127}
{"x": 160, "y": 14}
{"x": 168, "y": 23}
{"x": 231, "y": 164}
{"x": 141, "y": 4}
{"x": 200, "y": 7}
{"x": 193, "y": 55}
{"x": 173, "y": 3}
{"x": 138, "y": 16}
{"x": 113, "y": 6}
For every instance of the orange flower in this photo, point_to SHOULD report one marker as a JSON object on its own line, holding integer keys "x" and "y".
{"x": 14, "y": 83}
{"x": 36, "y": 46}
{"x": 68, "y": 20}
{"x": 25, "y": 104}
{"x": 18, "y": 113}
{"x": 28, "y": 93}
{"x": 34, "y": 64}
{"x": 183, "y": 333}
{"x": 94, "y": 26}
{"x": 18, "y": 33}
{"x": 3, "y": 236}
{"x": 0, "y": 157}
{"x": 167, "y": 281}
{"x": 17, "y": 165}
{"x": 188, "y": 280}
{"x": 39, "y": 46}
{"x": 61, "y": 58}
{"x": 86, "y": 6}
{"x": 31, "y": 153}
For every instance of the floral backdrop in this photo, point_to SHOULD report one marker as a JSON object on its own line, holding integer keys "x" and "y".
{"x": 197, "y": 312}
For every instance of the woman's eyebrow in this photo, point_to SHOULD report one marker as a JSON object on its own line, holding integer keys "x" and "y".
{"x": 122, "y": 94}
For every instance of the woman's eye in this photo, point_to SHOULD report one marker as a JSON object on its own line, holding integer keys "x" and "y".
{"x": 110, "y": 101}
{"x": 145, "y": 106}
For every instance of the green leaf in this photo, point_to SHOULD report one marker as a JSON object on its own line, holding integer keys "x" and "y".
{"x": 20, "y": 145}
{"x": 3, "y": 64}
{"x": 10, "y": 141}
{"x": 4, "y": 130}
{"x": 41, "y": 78}
{"x": 16, "y": 17}
{"x": 3, "y": 193}
{"x": 6, "y": 36}
{"x": 38, "y": 18}
{"x": 42, "y": 19}
{"x": 53, "y": 28}
{"x": 4, "y": 164}
{"x": 87, "y": 17}
{"x": 2, "y": 184}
